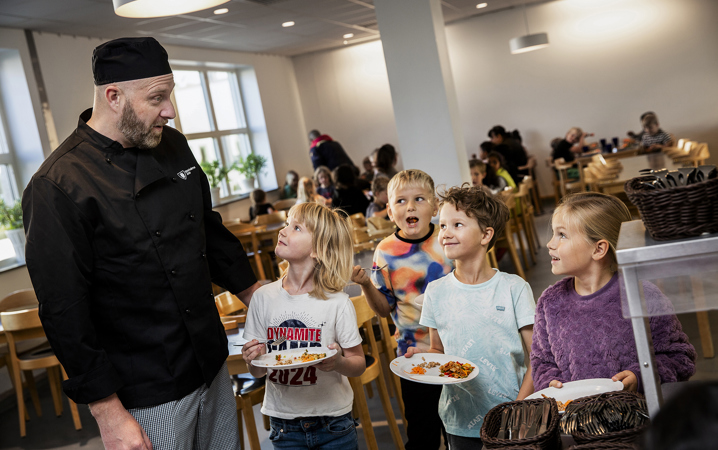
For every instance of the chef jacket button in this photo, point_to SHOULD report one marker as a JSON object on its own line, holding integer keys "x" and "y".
{"x": 173, "y": 272}
{"x": 174, "y": 179}
{"x": 137, "y": 195}
{"x": 187, "y": 311}
{"x": 157, "y": 233}
{"x": 204, "y": 255}
{"x": 191, "y": 216}
{"x": 108, "y": 160}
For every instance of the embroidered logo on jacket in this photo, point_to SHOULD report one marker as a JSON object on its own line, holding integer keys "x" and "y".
{"x": 185, "y": 173}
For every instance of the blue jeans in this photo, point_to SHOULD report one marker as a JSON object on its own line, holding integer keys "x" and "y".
{"x": 326, "y": 433}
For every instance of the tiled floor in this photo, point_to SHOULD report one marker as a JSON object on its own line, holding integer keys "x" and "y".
{"x": 49, "y": 432}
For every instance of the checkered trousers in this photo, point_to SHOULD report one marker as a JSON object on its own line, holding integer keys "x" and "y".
{"x": 205, "y": 419}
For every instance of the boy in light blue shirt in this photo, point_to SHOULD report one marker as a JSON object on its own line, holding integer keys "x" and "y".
{"x": 479, "y": 314}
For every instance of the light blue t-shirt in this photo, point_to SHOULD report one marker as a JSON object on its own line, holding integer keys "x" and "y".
{"x": 481, "y": 323}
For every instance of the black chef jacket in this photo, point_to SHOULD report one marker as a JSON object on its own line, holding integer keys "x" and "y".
{"x": 122, "y": 244}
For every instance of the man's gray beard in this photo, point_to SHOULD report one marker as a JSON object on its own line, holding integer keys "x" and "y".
{"x": 136, "y": 133}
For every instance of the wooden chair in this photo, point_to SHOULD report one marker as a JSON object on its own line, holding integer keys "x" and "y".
{"x": 236, "y": 226}
{"x": 230, "y": 308}
{"x": 248, "y": 391}
{"x": 266, "y": 244}
{"x": 696, "y": 156}
{"x": 379, "y": 228}
{"x": 268, "y": 219}
{"x": 22, "y": 299}
{"x": 373, "y": 372}
{"x": 566, "y": 183}
{"x": 388, "y": 346}
{"x": 360, "y": 233}
{"x": 24, "y": 325}
{"x": 284, "y": 205}
{"x": 535, "y": 195}
{"x": 524, "y": 217}
{"x": 507, "y": 239}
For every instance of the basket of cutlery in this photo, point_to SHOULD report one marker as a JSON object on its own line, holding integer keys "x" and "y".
{"x": 522, "y": 423}
{"x": 612, "y": 417}
{"x": 676, "y": 204}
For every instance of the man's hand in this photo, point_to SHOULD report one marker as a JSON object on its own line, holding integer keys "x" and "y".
{"x": 246, "y": 295}
{"x": 629, "y": 380}
{"x": 359, "y": 276}
{"x": 118, "y": 428}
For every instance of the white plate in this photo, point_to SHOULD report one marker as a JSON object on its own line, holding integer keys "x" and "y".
{"x": 576, "y": 389}
{"x": 269, "y": 360}
{"x": 402, "y": 366}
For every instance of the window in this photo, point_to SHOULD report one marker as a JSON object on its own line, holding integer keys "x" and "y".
{"x": 211, "y": 114}
{"x": 9, "y": 191}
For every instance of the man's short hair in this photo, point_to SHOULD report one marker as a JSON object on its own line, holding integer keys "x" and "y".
{"x": 411, "y": 177}
{"x": 314, "y": 134}
{"x": 379, "y": 185}
{"x": 486, "y": 209}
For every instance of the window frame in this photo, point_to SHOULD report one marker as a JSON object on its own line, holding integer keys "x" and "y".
{"x": 216, "y": 135}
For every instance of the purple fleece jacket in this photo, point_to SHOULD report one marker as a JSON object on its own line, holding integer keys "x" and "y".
{"x": 580, "y": 337}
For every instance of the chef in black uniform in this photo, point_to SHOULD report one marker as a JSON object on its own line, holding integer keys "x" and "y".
{"x": 122, "y": 247}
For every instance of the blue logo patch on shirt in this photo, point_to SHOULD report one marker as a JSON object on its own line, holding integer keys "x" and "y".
{"x": 500, "y": 308}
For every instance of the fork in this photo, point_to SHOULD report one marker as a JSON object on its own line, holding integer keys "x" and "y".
{"x": 279, "y": 341}
{"x": 375, "y": 268}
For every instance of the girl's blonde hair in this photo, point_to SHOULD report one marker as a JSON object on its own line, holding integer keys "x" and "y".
{"x": 597, "y": 216}
{"x": 332, "y": 244}
{"x": 305, "y": 190}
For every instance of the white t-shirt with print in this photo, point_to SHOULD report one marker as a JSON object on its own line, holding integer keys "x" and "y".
{"x": 480, "y": 322}
{"x": 306, "y": 322}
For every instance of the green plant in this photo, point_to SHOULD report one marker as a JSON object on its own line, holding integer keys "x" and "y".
{"x": 251, "y": 165}
{"x": 11, "y": 216}
{"x": 215, "y": 173}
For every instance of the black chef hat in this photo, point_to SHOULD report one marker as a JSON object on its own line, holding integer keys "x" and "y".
{"x": 127, "y": 59}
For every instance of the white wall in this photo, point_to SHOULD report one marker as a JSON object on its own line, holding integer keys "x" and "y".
{"x": 608, "y": 62}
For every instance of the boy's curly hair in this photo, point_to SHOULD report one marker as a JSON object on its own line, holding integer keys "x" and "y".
{"x": 487, "y": 210}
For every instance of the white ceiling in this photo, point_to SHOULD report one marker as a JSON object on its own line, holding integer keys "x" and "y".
{"x": 249, "y": 26}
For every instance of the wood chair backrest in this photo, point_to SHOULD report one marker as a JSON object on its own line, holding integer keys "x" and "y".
{"x": 379, "y": 223}
{"x": 267, "y": 239}
{"x": 364, "y": 321}
{"x": 267, "y": 219}
{"x": 236, "y": 227}
{"x": 22, "y": 325}
{"x": 284, "y": 205}
{"x": 17, "y": 299}
{"x": 358, "y": 220}
{"x": 228, "y": 303}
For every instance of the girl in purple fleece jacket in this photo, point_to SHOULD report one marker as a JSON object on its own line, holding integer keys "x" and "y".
{"x": 579, "y": 331}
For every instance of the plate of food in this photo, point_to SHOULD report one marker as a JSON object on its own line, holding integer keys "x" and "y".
{"x": 434, "y": 368}
{"x": 577, "y": 389}
{"x": 293, "y": 358}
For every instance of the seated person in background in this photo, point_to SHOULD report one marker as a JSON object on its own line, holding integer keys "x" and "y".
{"x": 567, "y": 148}
{"x": 324, "y": 183}
{"x": 259, "y": 207}
{"x": 478, "y": 174}
{"x": 377, "y": 208}
{"x": 492, "y": 181}
{"x": 510, "y": 147}
{"x": 290, "y": 185}
{"x": 639, "y": 136}
{"x": 307, "y": 193}
{"x": 580, "y": 332}
{"x": 653, "y": 138}
{"x": 496, "y": 162}
{"x": 347, "y": 196}
{"x": 384, "y": 161}
{"x": 368, "y": 173}
{"x": 485, "y": 148}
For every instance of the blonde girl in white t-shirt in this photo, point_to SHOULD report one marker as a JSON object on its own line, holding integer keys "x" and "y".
{"x": 309, "y": 406}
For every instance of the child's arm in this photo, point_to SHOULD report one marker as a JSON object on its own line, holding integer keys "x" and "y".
{"x": 544, "y": 370}
{"x": 250, "y": 351}
{"x": 527, "y": 387}
{"x": 377, "y": 301}
{"x": 350, "y": 364}
{"x": 436, "y": 345}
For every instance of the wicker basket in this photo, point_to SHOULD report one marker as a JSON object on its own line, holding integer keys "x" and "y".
{"x": 522, "y": 447}
{"x": 628, "y": 436}
{"x": 678, "y": 212}
{"x": 604, "y": 446}
{"x": 549, "y": 440}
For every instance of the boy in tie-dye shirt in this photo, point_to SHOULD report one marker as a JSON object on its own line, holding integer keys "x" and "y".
{"x": 404, "y": 264}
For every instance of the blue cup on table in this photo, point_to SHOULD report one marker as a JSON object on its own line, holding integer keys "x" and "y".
{"x": 603, "y": 143}
{"x": 585, "y": 149}
{"x": 615, "y": 142}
